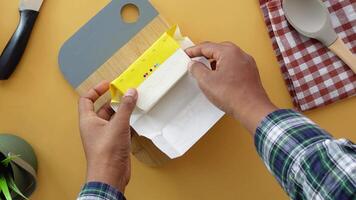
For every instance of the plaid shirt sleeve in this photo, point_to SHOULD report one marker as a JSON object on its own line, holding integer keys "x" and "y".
{"x": 305, "y": 159}
{"x": 99, "y": 191}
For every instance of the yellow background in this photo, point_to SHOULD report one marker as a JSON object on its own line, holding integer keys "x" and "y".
{"x": 223, "y": 165}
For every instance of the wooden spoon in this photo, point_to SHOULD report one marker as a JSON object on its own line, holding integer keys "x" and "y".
{"x": 311, "y": 18}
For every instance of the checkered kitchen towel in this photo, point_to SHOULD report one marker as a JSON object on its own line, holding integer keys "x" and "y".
{"x": 314, "y": 75}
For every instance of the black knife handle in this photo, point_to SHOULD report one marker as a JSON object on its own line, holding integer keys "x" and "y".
{"x": 15, "y": 48}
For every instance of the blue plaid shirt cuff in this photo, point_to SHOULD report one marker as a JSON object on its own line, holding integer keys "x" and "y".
{"x": 307, "y": 161}
{"x": 99, "y": 191}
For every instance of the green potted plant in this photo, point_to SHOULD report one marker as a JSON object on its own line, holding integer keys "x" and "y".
{"x": 18, "y": 166}
{"x": 7, "y": 182}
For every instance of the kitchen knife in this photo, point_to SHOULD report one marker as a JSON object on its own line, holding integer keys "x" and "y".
{"x": 11, "y": 56}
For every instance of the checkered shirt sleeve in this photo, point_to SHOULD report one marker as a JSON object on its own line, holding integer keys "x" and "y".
{"x": 307, "y": 162}
{"x": 99, "y": 191}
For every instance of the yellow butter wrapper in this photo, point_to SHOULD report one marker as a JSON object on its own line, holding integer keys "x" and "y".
{"x": 146, "y": 64}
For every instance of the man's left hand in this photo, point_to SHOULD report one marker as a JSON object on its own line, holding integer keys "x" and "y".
{"x": 106, "y": 137}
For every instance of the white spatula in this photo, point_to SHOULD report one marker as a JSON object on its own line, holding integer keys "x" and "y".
{"x": 311, "y": 18}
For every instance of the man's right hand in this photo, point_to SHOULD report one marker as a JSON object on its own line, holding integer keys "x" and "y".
{"x": 234, "y": 85}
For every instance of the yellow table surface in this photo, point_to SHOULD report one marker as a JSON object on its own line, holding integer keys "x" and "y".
{"x": 223, "y": 165}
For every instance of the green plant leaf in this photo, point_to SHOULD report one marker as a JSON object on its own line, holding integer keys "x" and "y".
{"x": 8, "y": 160}
{"x": 4, "y": 188}
{"x": 13, "y": 187}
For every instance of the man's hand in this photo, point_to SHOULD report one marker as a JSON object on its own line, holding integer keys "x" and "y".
{"x": 234, "y": 85}
{"x": 106, "y": 137}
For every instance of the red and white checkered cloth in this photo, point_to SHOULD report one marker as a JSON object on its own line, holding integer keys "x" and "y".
{"x": 314, "y": 75}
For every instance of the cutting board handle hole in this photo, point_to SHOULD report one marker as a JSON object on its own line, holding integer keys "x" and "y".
{"x": 130, "y": 13}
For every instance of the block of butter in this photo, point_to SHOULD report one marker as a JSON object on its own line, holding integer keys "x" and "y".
{"x": 171, "y": 110}
{"x": 162, "y": 80}
{"x": 155, "y": 72}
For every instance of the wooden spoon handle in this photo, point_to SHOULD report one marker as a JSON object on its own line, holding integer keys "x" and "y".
{"x": 340, "y": 49}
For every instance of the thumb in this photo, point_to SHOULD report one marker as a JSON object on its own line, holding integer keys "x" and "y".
{"x": 199, "y": 71}
{"x": 127, "y": 105}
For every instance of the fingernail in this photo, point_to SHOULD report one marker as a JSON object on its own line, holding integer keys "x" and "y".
{"x": 131, "y": 93}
